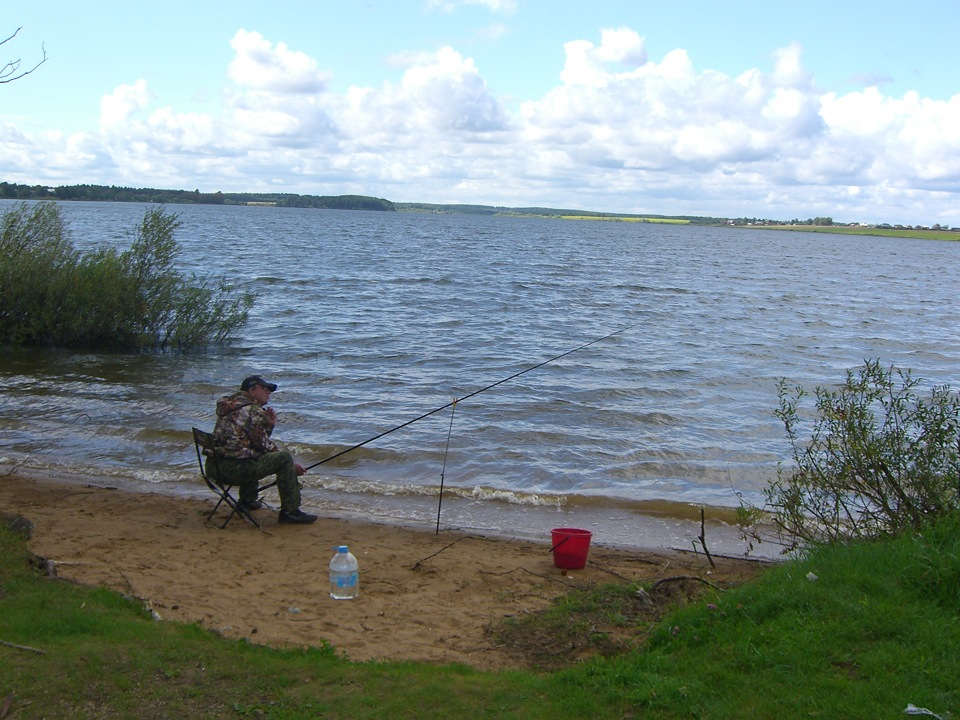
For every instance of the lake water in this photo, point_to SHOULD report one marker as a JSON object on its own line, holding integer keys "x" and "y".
{"x": 368, "y": 320}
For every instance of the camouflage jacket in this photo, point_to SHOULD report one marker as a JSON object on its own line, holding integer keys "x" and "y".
{"x": 243, "y": 428}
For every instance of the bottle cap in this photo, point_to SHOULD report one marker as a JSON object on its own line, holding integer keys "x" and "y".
{"x": 342, "y": 548}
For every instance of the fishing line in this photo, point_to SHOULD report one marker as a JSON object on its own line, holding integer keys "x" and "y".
{"x": 443, "y": 469}
{"x": 466, "y": 397}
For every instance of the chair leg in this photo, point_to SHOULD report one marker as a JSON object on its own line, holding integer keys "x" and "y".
{"x": 234, "y": 505}
{"x": 236, "y": 509}
{"x": 215, "y": 508}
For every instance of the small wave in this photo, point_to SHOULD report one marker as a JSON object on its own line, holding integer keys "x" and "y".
{"x": 672, "y": 509}
{"x": 511, "y": 497}
{"x": 478, "y": 493}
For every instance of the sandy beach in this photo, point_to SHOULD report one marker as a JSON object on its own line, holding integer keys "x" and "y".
{"x": 423, "y": 596}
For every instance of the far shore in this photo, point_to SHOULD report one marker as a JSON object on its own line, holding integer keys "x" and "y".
{"x": 909, "y": 233}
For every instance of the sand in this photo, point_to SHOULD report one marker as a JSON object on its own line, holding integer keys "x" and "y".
{"x": 423, "y": 596}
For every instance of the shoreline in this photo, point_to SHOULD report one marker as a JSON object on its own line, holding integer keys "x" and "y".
{"x": 423, "y": 596}
{"x": 646, "y": 526}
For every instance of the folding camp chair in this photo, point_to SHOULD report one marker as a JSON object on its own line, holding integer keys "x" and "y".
{"x": 203, "y": 442}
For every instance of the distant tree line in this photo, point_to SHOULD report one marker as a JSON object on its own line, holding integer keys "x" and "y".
{"x": 338, "y": 202}
{"x": 123, "y": 194}
{"x": 543, "y": 212}
{"x": 112, "y": 193}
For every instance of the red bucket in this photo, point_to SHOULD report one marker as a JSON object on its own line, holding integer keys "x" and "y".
{"x": 570, "y": 547}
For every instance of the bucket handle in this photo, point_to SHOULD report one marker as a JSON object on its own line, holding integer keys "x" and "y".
{"x": 560, "y": 543}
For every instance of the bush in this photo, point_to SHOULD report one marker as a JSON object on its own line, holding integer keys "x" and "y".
{"x": 881, "y": 460}
{"x": 50, "y": 294}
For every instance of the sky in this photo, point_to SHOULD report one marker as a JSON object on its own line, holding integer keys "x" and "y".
{"x": 734, "y": 108}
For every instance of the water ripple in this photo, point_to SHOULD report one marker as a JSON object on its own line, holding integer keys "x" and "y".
{"x": 368, "y": 320}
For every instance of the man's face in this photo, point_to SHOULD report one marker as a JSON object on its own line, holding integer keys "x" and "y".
{"x": 260, "y": 394}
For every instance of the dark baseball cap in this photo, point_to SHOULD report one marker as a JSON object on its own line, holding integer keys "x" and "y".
{"x": 249, "y": 382}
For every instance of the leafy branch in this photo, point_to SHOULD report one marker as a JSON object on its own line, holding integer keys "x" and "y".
{"x": 881, "y": 460}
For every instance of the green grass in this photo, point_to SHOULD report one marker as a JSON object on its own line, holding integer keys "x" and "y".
{"x": 880, "y": 232}
{"x": 620, "y": 218}
{"x": 879, "y": 628}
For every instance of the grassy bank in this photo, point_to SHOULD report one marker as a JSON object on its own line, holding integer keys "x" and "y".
{"x": 875, "y": 231}
{"x": 850, "y": 632}
{"x": 627, "y": 219}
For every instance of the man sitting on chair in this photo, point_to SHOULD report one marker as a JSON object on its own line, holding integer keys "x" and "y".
{"x": 246, "y": 453}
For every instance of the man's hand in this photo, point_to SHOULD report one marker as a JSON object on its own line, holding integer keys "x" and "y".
{"x": 300, "y": 469}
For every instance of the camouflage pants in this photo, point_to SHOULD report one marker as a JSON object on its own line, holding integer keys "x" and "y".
{"x": 247, "y": 473}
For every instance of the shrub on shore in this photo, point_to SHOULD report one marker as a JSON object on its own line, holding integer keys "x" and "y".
{"x": 882, "y": 460}
{"x": 53, "y": 295}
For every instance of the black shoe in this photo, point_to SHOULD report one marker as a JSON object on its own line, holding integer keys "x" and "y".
{"x": 249, "y": 505}
{"x": 297, "y": 517}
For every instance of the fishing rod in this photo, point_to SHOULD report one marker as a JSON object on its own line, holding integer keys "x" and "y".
{"x": 467, "y": 397}
{"x": 443, "y": 470}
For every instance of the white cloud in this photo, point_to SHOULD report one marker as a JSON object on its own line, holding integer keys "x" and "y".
{"x": 502, "y": 7}
{"x": 440, "y": 96}
{"x": 621, "y": 45}
{"x": 666, "y": 115}
{"x": 906, "y": 141}
{"x": 261, "y": 66}
{"x": 117, "y": 108}
{"x": 620, "y": 131}
{"x": 587, "y": 64}
{"x": 266, "y": 119}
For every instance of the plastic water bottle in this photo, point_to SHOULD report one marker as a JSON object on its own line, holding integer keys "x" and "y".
{"x": 344, "y": 575}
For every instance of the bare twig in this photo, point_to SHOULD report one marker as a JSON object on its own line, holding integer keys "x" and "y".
{"x": 738, "y": 558}
{"x": 416, "y": 565}
{"x": 611, "y": 572}
{"x": 8, "y": 73}
{"x": 25, "y": 648}
{"x": 655, "y": 560}
{"x": 554, "y": 578}
{"x": 681, "y": 578}
{"x": 703, "y": 538}
{"x": 131, "y": 591}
